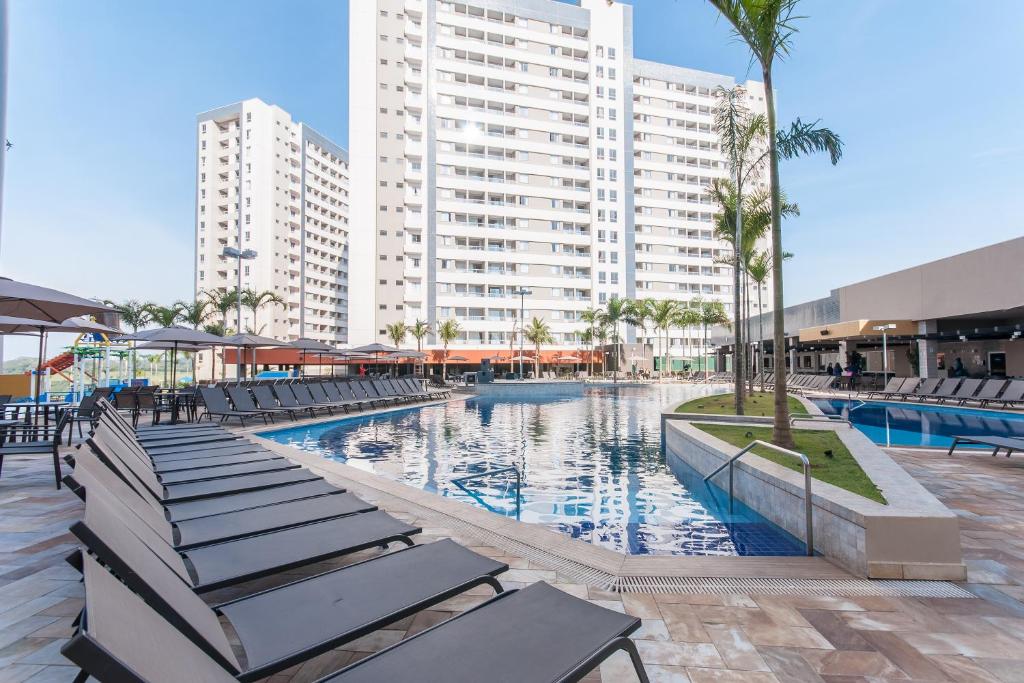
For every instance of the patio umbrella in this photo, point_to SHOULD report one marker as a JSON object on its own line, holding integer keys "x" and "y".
{"x": 18, "y": 325}
{"x": 458, "y": 359}
{"x": 22, "y": 300}
{"x": 251, "y": 341}
{"x": 308, "y": 345}
{"x": 376, "y": 349}
{"x": 175, "y": 336}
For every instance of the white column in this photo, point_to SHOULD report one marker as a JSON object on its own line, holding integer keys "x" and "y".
{"x": 927, "y": 350}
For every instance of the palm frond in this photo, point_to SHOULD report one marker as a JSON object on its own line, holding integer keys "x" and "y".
{"x": 808, "y": 138}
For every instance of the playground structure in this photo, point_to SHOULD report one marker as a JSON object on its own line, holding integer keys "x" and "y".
{"x": 88, "y": 363}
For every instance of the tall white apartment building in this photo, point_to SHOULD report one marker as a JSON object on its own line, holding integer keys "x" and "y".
{"x": 504, "y": 145}
{"x": 275, "y": 186}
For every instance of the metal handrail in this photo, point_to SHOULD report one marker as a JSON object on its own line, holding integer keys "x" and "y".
{"x": 808, "y": 506}
{"x": 458, "y": 481}
{"x": 818, "y": 418}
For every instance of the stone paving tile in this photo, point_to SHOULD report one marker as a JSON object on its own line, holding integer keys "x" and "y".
{"x": 684, "y": 638}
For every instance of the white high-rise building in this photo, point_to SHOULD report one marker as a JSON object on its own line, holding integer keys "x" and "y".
{"x": 283, "y": 194}
{"x": 511, "y": 144}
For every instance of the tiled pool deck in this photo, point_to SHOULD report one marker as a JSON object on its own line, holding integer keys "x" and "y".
{"x": 686, "y": 637}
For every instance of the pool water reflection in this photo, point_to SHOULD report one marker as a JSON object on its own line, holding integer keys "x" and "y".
{"x": 907, "y": 424}
{"x": 591, "y": 468}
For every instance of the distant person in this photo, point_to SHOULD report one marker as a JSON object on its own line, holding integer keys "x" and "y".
{"x": 837, "y": 371}
{"x": 828, "y": 370}
{"x": 958, "y": 368}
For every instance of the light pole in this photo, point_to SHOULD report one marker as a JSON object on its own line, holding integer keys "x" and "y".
{"x": 522, "y": 293}
{"x": 241, "y": 255}
{"x": 885, "y": 349}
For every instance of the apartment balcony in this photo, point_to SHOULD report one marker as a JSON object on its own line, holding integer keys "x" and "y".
{"x": 414, "y": 171}
{"x": 413, "y": 29}
{"x": 413, "y": 148}
{"x": 413, "y": 220}
{"x": 413, "y": 124}
{"x": 413, "y": 195}
{"x": 414, "y": 8}
{"x": 413, "y": 53}
{"x": 413, "y": 77}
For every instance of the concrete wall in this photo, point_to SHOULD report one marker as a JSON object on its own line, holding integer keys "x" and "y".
{"x": 986, "y": 279}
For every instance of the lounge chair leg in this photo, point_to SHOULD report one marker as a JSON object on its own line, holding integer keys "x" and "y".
{"x": 56, "y": 467}
{"x": 82, "y": 677}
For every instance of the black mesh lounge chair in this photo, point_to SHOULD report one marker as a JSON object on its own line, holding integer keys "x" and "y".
{"x": 320, "y": 395}
{"x": 92, "y": 476}
{"x": 286, "y": 397}
{"x": 265, "y": 400}
{"x": 945, "y": 390}
{"x": 966, "y": 390}
{"x": 163, "y": 454}
{"x": 335, "y": 394}
{"x": 178, "y": 637}
{"x": 211, "y": 567}
{"x": 242, "y": 400}
{"x": 890, "y": 387}
{"x": 370, "y": 387}
{"x": 925, "y": 389}
{"x": 303, "y": 397}
{"x": 216, "y": 404}
{"x": 988, "y": 392}
{"x": 998, "y": 443}
{"x": 535, "y": 634}
{"x": 1013, "y": 395}
{"x": 905, "y": 390}
{"x": 347, "y": 391}
{"x": 138, "y": 475}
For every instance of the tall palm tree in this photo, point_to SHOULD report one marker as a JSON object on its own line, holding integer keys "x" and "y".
{"x": 614, "y": 313}
{"x": 740, "y": 133}
{"x": 134, "y": 315}
{"x": 767, "y": 27}
{"x": 419, "y": 330}
{"x": 687, "y": 316}
{"x": 591, "y": 317}
{"x": 254, "y": 301}
{"x": 663, "y": 315}
{"x": 164, "y": 316}
{"x": 537, "y": 333}
{"x": 760, "y": 268}
{"x": 223, "y": 302}
{"x": 194, "y": 315}
{"x": 638, "y": 314}
{"x": 396, "y": 333}
{"x": 709, "y": 313}
{"x": 447, "y": 332}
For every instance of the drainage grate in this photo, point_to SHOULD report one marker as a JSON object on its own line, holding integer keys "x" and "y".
{"x": 578, "y": 572}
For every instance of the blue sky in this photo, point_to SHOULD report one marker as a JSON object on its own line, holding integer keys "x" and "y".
{"x": 103, "y": 96}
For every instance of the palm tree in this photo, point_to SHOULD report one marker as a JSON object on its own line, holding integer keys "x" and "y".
{"x": 663, "y": 315}
{"x": 739, "y": 133}
{"x": 709, "y": 313}
{"x": 638, "y": 314}
{"x": 134, "y": 315}
{"x": 164, "y": 316}
{"x": 537, "y": 333}
{"x": 447, "y": 332}
{"x": 419, "y": 330}
{"x": 591, "y": 317}
{"x": 613, "y": 314}
{"x": 396, "y": 333}
{"x": 223, "y": 302}
{"x": 254, "y": 301}
{"x": 194, "y": 314}
{"x": 759, "y": 268}
{"x": 602, "y": 332}
{"x": 767, "y": 27}
{"x": 686, "y": 317}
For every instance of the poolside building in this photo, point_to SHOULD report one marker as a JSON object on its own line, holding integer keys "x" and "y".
{"x": 516, "y": 160}
{"x": 285, "y": 196}
{"x": 969, "y": 307}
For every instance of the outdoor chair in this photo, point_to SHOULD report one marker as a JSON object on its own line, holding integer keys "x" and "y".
{"x": 1013, "y": 395}
{"x": 998, "y": 443}
{"x": 347, "y": 391}
{"x": 966, "y": 390}
{"x": 126, "y": 401}
{"x": 86, "y": 412}
{"x": 164, "y": 632}
{"x": 286, "y": 397}
{"x": 29, "y": 439}
{"x": 229, "y": 563}
{"x": 988, "y": 392}
{"x": 890, "y": 388}
{"x": 91, "y": 475}
{"x": 906, "y": 390}
{"x": 301, "y": 392}
{"x": 946, "y": 390}
{"x": 926, "y": 388}
{"x": 334, "y": 393}
{"x": 242, "y": 400}
{"x": 320, "y": 395}
{"x": 216, "y": 404}
{"x": 369, "y": 391}
{"x": 265, "y": 400}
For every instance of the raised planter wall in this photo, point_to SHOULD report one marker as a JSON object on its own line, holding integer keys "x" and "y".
{"x": 913, "y": 537}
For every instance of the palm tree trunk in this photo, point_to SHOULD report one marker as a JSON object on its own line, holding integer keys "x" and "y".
{"x": 746, "y": 299}
{"x": 760, "y": 336}
{"x": 738, "y": 357}
{"x": 781, "y": 434}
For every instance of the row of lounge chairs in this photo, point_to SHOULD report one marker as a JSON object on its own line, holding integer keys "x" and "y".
{"x": 258, "y": 400}
{"x": 797, "y": 382}
{"x": 961, "y": 391}
{"x": 174, "y": 512}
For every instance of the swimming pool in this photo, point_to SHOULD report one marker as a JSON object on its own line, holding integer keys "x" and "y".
{"x": 908, "y": 424}
{"x": 591, "y": 468}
